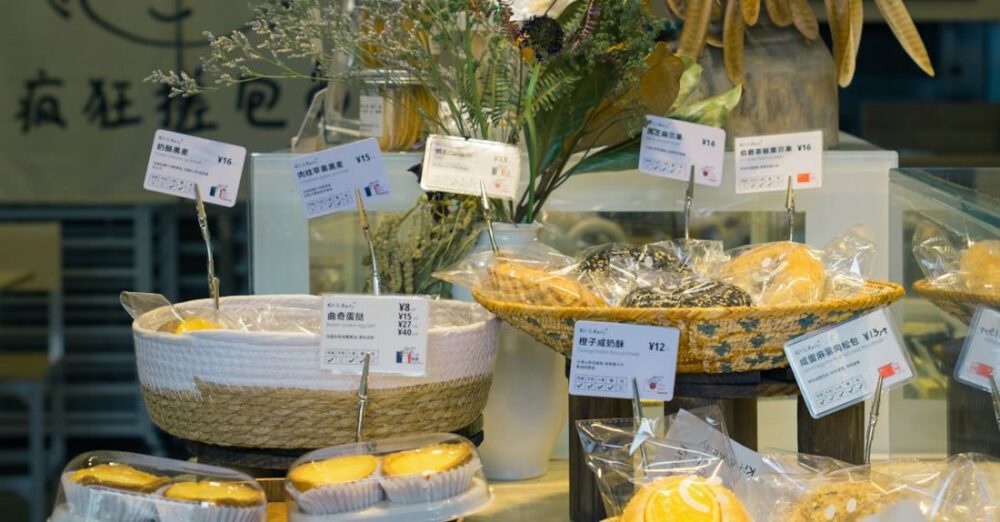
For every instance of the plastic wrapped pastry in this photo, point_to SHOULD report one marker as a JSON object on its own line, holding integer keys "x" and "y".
{"x": 778, "y": 273}
{"x": 690, "y": 292}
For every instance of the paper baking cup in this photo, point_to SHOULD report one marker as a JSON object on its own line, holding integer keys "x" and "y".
{"x": 107, "y": 504}
{"x": 171, "y": 510}
{"x": 439, "y": 486}
{"x": 338, "y": 498}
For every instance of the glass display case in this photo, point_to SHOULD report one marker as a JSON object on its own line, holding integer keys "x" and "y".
{"x": 935, "y": 415}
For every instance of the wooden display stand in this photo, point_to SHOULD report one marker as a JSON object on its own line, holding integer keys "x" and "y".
{"x": 839, "y": 435}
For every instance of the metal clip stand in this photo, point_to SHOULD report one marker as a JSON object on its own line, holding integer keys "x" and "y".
{"x": 213, "y": 281}
{"x": 363, "y": 219}
{"x": 873, "y": 419}
{"x": 790, "y": 208}
{"x": 637, "y": 414}
{"x": 688, "y": 203}
{"x": 362, "y": 396}
{"x": 488, "y": 217}
{"x": 996, "y": 399}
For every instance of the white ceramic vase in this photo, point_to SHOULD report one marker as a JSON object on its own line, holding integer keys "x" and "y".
{"x": 526, "y": 408}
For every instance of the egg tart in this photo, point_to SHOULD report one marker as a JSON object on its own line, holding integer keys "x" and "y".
{"x": 429, "y": 473}
{"x": 228, "y": 494}
{"x": 334, "y": 485}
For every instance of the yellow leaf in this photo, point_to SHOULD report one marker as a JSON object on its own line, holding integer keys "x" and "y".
{"x": 732, "y": 35}
{"x": 899, "y": 21}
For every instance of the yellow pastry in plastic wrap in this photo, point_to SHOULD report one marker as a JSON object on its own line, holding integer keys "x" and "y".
{"x": 118, "y": 476}
{"x": 841, "y": 502}
{"x": 193, "y": 324}
{"x": 336, "y": 470}
{"x": 516, "y": 282}
{"x": 778, "y": 273}
{"x": 684, "y": 499}
{"x": 427, "y": 461}
{"x": 981, "y": 266}
{"x": 229, "y": 494}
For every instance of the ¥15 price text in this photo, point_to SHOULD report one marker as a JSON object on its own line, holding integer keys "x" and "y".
{"x": 404, "y": 323}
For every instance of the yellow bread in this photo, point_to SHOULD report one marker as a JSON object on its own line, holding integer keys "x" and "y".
{"x": 337, "y": 470}
{"x": 840, "y": 502}
{"x": 981, "y": 265}
{"x": 196, "y": 323}
{"x": 684, "y": 499}
{"x": 228, "y": 494}
{"x": 778, "y": 273}
{"x": 516, "y": 282}
{"x": 427, "y": 461}
{"x": 118, "y": 476}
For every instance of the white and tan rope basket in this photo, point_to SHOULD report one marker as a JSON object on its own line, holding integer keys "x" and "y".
{"x": 266, "y": 389}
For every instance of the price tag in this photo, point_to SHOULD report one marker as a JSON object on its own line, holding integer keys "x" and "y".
{"x": 670, "y": 147}
{"x": 839, "y": 366}
{"x": 981, "y": 350}
{"x": 458, "y": 165}
{"x": 327, "y": 178}
{"x": 693, "y": 432}
{"x": 178, "y": 161}
{"x": 607, "y": 355}
{"x": 764, "y": 163}
{"x": 393, "y": 329}
{"x": 371, "y": 108}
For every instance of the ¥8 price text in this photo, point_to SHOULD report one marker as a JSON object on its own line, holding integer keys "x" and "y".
{"x": 404, "y": 323}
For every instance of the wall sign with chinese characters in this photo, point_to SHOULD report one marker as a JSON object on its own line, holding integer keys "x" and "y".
{"x": 980, "y": 355}
{"x": 606, "y": 356}
{"x": 670, "y": 147}
{"x": 177, "y": 162}
{"x": 764, "y": 163}
{"x": 839, "y": 366}
{"x": 327, "y": 178}
{"x": 370, "y": 110}
{"x": 457, "y": 165}
{"x": 393, "y": 329}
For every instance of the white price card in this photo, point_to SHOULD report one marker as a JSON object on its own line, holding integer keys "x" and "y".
{"x": 606, "y": 356}
{"x": 670, "y": 147}
{"x": 370, "y": 110}
{"x": 839, "y": 366}
{"x": 980, "y": 355}
{"x": 177, "y": 162}
{"x": 458, "y": 165}
{"x": 327, "y": 178}
{"x": 393, "y": 329}
{"x": 764, "y": 163}
{"x": 693, "y": 432}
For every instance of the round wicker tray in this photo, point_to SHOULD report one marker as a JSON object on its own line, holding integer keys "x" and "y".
{"x": 713, "y": 340}
{"x": 266, "y": 390}
{"x": 961, "y": 305}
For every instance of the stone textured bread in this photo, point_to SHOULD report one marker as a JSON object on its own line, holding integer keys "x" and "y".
{"x": 646, "y": 257}
{"x": 227, "y": 494}
{"x": 981, "y": 265}
{"x": 694, "y": 293}
{"x": 778, "y": 273}
{"x": 516, "y": 282}
{"x": 118, "y": 476}
{"x": 841, "y": 502}
{"x": 336, "y": 470}
{"x": 684, "y": 499}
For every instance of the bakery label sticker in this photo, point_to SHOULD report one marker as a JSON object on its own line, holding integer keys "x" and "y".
{"x": 327, "y": 179}
{"x": 177, "y": 162}
{"x": 764, "y": 163}
{"x": 671, "y": 147}
{"x": 462, "y": 166}
{"x": 839, "y": 366}
{"x": 393, "y": 329}
{"x": 980, "y": 355}
{"x": 606, "y": 356}
{"x": 370, "y": 109}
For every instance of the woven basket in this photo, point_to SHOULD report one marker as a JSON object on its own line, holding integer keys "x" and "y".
{"x": 713, "y": 340}
{"x": 961, "y": 305}
{"x": 266, "y": 390}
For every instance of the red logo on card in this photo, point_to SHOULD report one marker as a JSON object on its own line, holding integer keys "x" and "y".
{"x": 887, "y": 371}
{"x": 803, "y": 177}
{"x": 983, "y": 370}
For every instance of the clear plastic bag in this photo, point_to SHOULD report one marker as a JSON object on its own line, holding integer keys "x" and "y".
{"x": 957, "y": 263}
{"x": 849, "y": 259}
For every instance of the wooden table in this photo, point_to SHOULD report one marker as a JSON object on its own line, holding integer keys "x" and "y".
{"x": 839, "y": 435}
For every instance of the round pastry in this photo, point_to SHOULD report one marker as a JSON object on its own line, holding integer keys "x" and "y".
{"x": 429, "y": 473}
{"x": 778, "y": 273}
{"x": 118, "y": 476}
{"x": 336, "y": 484}
{"x": 981, "y": 265}
{"x": 193, "y": 324}
{"x": 516, "y": 282}
{"x": 111, "y": 492}
{"x": 840, "y": 502}
{"x": 695, "y": 293}
{"x": 684, "y": 499}
{"x": 229, "y": 494}
{"x": 645, "y": 257}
